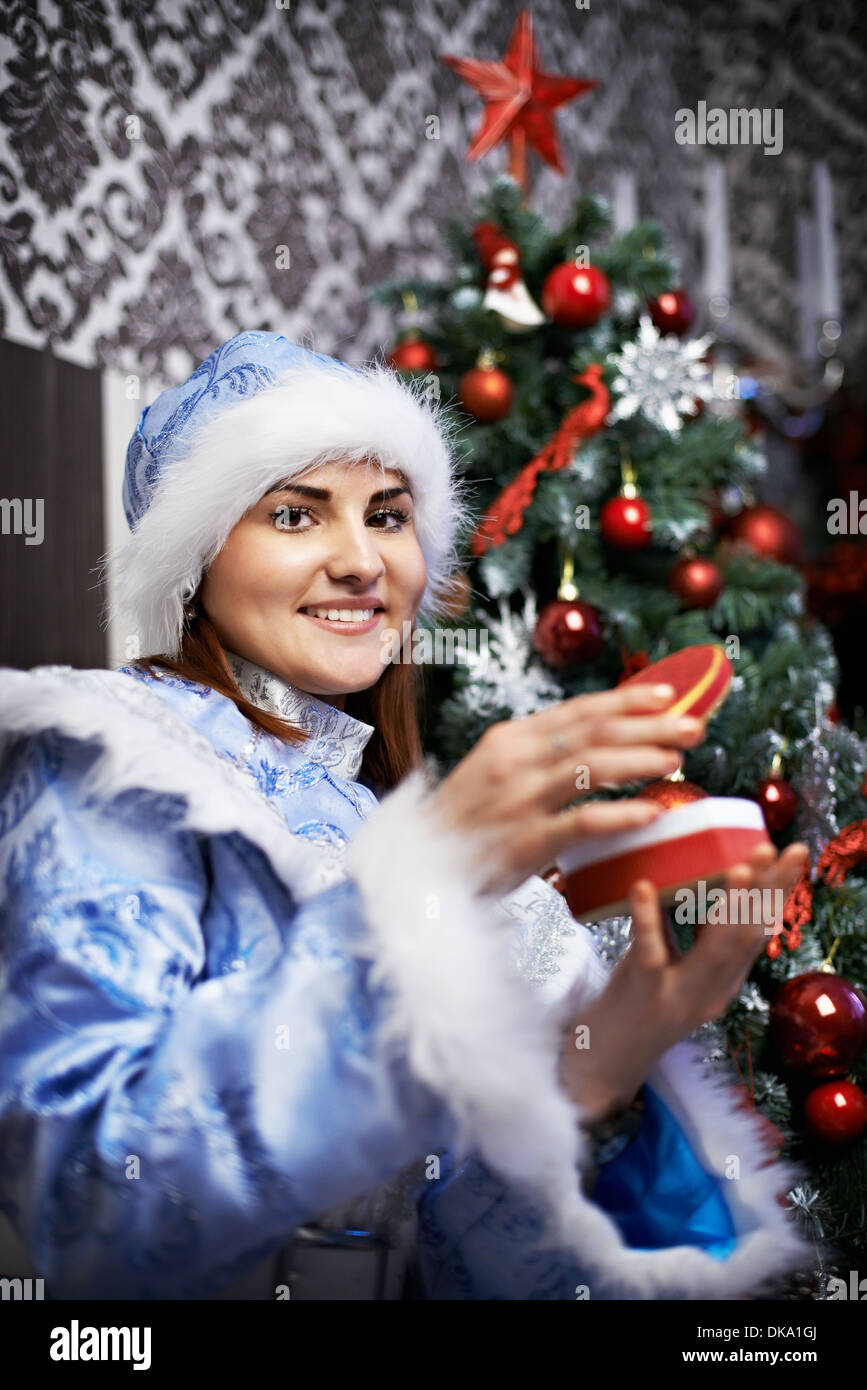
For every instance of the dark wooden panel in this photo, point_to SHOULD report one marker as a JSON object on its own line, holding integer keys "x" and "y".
{"x": 51, "y": 422}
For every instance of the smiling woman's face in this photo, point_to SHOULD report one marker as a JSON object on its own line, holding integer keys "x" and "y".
{"x": 341, "y": 538}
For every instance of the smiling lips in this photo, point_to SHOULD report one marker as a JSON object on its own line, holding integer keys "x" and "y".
{"x": 346, "y": 620}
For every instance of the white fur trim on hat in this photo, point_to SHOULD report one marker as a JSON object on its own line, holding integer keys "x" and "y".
{"x": 310, "y": 414}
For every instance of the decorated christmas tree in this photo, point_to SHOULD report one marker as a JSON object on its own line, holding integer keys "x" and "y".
{"x": 620, "y": 519}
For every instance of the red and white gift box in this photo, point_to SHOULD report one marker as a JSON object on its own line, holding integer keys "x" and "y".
{"x": 701, "y": 840}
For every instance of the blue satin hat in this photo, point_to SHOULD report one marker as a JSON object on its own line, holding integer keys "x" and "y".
{"x": 235, "y": 370}
{"x": 258, "y": 411}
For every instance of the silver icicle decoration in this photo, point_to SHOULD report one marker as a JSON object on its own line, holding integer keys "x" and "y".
{"x": 816, "y": 786}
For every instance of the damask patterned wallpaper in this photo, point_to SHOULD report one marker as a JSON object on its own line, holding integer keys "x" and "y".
{"x": 156, "y": 154}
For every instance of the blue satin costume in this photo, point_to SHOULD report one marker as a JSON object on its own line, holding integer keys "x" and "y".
{"x": 154, "y": 1142}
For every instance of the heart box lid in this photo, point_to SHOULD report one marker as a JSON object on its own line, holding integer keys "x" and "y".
{"x": 701, "y": 676}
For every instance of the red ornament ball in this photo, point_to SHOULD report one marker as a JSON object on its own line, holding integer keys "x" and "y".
{"x": 486, "y": 392}
{"x": 819, "y": 1023}
{"x": 769, "y": 532}
{"x": 697, "y": 582}
{"x": 836, "y": 1112}
{"x": 672, "y": 793}
{"x": 779, "y": 802}
{"x": 568, "y": 633}
{"x": 625, "y": 523}
{"x": 576, "y": 296}
{"x": 672, "y": 311}
{"x": 412, "y": 354}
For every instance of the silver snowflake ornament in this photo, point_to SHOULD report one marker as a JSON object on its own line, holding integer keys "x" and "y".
{"x": 506, "y": 674}
{"x": 661, "y": 377}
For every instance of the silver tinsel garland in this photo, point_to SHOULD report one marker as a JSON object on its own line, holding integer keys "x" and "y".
{"x": 816, "y": 786}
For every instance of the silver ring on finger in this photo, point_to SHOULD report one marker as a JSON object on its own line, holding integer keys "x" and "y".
{"x": 559, "y": 744}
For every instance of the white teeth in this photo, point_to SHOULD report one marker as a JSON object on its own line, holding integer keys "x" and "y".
{"x": 343, "y": 615}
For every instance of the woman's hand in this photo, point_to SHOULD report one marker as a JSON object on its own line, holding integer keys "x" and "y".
{"x": 510, "y": 789}
{"x": 657, "y": 994}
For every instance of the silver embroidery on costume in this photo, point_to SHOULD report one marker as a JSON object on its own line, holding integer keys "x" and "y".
{"x": 337, "y": 740}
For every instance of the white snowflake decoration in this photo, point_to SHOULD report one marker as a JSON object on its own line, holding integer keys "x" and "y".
{"x": 661, "y": 377}
{"x": 504, "y": 674}
{"x": 625, "y": 303}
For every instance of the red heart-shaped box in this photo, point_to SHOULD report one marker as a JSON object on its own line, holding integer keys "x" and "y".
{"x": 700, "y": 675}
{"x": 700, "y": 840}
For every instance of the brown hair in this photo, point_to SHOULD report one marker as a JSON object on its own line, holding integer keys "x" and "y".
{"x": 391, "y": 705}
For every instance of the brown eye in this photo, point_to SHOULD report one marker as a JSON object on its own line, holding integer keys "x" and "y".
{"x": 400, "y": 516}
{"x": 284, "y": 515}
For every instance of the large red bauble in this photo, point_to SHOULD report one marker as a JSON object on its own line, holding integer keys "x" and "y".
{"x": 819, "y": 1023}
{"x": 672, "y": 311}
{"x": 779, "y": 802}
{"x": 576, "y": 296}
{"x": 625, "y": 523}
{"x": 769, "y": 532}
{"x": 568, "y": 633}
{"x": 836, "y": 1112}
{"x": 412, "y": 355}
{"x": 486, "y": 392}
{"x": 697, "y": 582}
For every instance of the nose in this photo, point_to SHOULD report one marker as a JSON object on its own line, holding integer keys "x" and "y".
{"x": 354, "y": 551}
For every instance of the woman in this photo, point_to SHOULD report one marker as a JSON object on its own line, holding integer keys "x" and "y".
{"x": 256, "y": 963}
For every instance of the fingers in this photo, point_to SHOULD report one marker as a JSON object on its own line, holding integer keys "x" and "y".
{"x": 615, "y": 751}
{"x": 724, "y": 950}
{"x": 666, "y": 729}
{"x": 769, "y": 873}
{"x": 625, "y": 699}
{"x": 600, "y": 818}
{"x": 614, "y": 766}
{"x": 674, "y": 951}
{"x": 574, "y": 734}
{"x": 783, "y": 871}
{"x": 793, "y": 861}
{"x": 650, "y": 948}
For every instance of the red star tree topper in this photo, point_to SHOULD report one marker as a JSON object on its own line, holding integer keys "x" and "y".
{"x": 519, "y": 101}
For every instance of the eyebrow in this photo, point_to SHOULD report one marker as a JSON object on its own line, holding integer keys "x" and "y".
{"x": 321, "y": 494}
